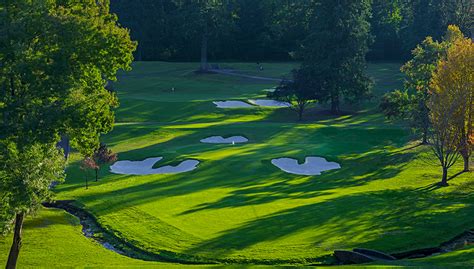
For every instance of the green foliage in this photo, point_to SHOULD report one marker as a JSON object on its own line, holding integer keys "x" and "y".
{"x": 386, "y": 21}
{"x": 240, "y": 29}
{"x": 275, "y": 29}
{"x": 418, "y": 73}
{"x": 61, "y": 77}
{"x": 334, "y": 52}
{"x": 419, "y": 69}
{"x": 432, "y": 17}
{"x": 396, "y": 104}
{"x": 269, "y": 29}
{"x": 56, "y": 59}
{"x": 298, "y": 92}
{"x": 451, "y": 103}
{"x": 26, "y": 175}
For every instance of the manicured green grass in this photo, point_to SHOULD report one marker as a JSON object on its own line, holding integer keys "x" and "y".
{"x": 273, "y": 70}
{"x": 54, "y": 238}
{"x": 238, "y": 207}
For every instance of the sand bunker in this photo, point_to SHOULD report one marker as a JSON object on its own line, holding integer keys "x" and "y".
{"x": 222, "y": 140}
{"x": 269, "y": 90}
{"x": 231, "y": 104}
{"x": 145, "y": 167}
{"x": 312, "y": 166}
{"x": 269, "y": 103}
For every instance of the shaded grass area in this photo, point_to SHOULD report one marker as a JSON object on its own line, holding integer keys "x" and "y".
{"x": 54, "y": 238}
{"x": 237, "y": 206}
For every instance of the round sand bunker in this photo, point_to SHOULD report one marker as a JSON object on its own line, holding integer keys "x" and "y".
{"x": 312, "y": 166}
{"x": 269, "y": 103}
{"x": 222, "y": 140}
{"x": 232, "y": 104}
{"x": 145, "y": 167}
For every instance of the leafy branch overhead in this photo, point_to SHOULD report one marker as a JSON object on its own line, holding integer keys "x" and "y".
{"x": 57, "y": 57}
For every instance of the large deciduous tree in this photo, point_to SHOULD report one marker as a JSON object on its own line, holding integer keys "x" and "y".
{"x": 202, "y": 21}
{"x": 454, "y": 82}
{"x": 411, "y": 103}
{"x": 57, "y": 56}
{"x": 334, "y": 52}
{"x": 417, "y": 78}
{"x": 451, "y": 105}
{"x": 444, "y": 137}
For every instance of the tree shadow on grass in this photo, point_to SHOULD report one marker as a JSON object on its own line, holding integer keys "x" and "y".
{"x": 390, "y": 220}
{"x": 355, "y": 172}
{"x": 257, "y": 182}
{"x": 50, "y": 219}
{"x": 436, "y": 186}
{"x": 324, "y": 141}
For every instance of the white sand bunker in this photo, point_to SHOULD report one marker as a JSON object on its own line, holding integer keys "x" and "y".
{"x": 145, "y": 167}
{"x": 231, "y": 104}
{"x": 222, "y": 140}
{"x": 269, "y": 103}
{"x": 312, "y": 166}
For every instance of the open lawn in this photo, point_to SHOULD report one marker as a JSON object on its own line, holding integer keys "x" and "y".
{"x": 238, "y": 207}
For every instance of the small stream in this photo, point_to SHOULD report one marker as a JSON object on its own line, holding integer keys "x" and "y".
{"x": 92, "y": 229}
{"x": 459, "y": 242}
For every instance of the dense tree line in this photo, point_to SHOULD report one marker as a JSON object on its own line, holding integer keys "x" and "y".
{"x": 275, "y": 29}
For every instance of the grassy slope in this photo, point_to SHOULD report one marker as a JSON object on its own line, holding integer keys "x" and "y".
{"x": 236, "y": 205}
{"x": 57, "y": 241}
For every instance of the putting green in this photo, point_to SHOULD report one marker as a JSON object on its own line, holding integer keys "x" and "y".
{"x": 238, "y": 207}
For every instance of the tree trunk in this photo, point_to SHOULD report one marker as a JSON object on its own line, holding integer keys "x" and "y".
{"x": 300, "y": 113}
{"x": 335, "y": 104}
{"x": 16, "y": 245}
{"x": 425, "y": 137}
{"x": 465, "y": 147}
{"x": 465, "y": 158}
{"x": 65, "y": 145}
{"x": 96, "y": 175}
{"x": 444, "y": 180}
{"x": 204, "y": 64}
{"x": 4, "y": 90}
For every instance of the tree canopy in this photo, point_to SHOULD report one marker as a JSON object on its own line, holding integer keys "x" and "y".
{"x": 411, "y": 103}
{"x": 334, "y": 52}
{"x": 452, "y": 100}
{"x": 274, "y": 29}
{"x": 298, "y": 93}
{"x": 57, "y": 57}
